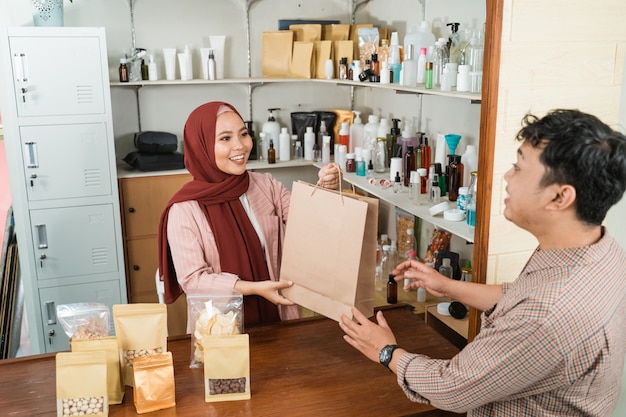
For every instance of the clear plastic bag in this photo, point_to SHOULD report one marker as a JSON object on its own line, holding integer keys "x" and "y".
{"x": 85, "y": 320}
{"x": 212, "y": 315}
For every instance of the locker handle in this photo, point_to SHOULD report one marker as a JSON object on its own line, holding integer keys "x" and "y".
{"x": 51, "y": 313}
{"x": 30, "y": 148}
{"x": 42, "y": 236}
{"x": 20, "y": 67}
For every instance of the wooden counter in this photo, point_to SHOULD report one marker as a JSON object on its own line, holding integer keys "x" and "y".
{"x": 298, "y": 368}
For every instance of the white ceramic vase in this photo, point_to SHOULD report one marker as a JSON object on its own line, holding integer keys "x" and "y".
{"x": 47, "y": 12}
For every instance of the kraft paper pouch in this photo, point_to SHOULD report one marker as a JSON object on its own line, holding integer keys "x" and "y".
{"x": 227, "y": 368}
{"x": 276, "y": 53}
{"x": 323, "y": 51}
{"x": 154, "y": 383}
{"x": 141, "y": 329}
{"x": 306, "y": 32}
{"x": 115, "y": 389}
{"x": 302, "y": 60}
{"x": 354, "y": 37}
{"x": 333, "y": 268}
{"x": 338, "y": 32}
{"x": 81, "y": 383}
{"x": 342, "y": 49}
{"x": 212, "y": 315}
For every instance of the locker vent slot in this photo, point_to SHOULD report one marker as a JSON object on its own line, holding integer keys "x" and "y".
{"x": 99, "y": 256}
{"x": 93, "y": 178}
{"x": 85, "y": 94}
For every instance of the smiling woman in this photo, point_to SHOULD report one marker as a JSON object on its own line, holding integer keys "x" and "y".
{"x": 224, "y": 230}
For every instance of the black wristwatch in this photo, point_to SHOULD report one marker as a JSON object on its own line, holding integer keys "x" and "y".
{"x": 386, "y": 353}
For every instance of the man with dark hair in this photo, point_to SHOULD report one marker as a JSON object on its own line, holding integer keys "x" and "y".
{"x": 552, "y": 343}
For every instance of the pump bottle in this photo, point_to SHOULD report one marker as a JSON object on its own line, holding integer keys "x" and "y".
{"x": 211, "y": 65}
{"x": 271, "y": 128}
{"x": 344, "y": 134}
{"x": 356, "y": 132}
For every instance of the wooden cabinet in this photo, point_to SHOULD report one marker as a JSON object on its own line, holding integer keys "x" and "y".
{"x": 143, "y": 199}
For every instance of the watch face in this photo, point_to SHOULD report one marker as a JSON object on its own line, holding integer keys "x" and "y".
{"x": 386, "y": 353}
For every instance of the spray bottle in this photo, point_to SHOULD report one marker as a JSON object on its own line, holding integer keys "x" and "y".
{"x": 271, "y": 128}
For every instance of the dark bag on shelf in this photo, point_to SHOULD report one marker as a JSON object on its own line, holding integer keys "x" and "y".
{"x": 156, "y": 142}
{"x": 155, "y": 161}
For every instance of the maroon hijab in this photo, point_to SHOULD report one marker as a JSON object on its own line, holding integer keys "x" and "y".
{"x": 218, "y": 194}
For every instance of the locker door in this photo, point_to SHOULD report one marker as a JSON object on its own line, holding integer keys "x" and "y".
{"x": 56, "y": 339}
{"x": 65, "y": 161}
{"x": 56, "y": 75}
{"x": 74, "y": 241}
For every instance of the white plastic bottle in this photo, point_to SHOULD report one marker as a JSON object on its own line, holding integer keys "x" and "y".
{"x": 326, "y": 150}
{"x": 153, "y": 74}
{"x": 211, "y": 65}
{"x": 409, "y": 67}
{"x": 285, "y": 146}
{"x": 420, "y": 36}
{"x": 271, "y": 128}
{"x": 394, "y": 58}
{"x": 370, "y": 131}
{"x": 383, "y": 128}
{"x": 421, "y": 66}
{"x": 309, "y": 141}
{"x": 190, "y": 63}
{"x": 469, "y": 159}
{"x": 356, "y": 132}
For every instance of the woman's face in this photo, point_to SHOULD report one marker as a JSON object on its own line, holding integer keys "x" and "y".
{"x": 232, "y": 143}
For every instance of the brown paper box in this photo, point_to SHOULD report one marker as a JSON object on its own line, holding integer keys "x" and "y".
{"x": 330, "y": 251}
{"x": 276, "y": 53}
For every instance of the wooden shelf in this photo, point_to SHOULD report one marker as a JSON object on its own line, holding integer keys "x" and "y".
{"x": 455, "y": 330}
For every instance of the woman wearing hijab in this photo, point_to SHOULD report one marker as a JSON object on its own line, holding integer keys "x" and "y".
{"x": 223, "y": 231}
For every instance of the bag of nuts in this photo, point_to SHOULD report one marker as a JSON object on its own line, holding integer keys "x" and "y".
{"x": 84, "y": 320}
{"x": 212, "y": 315}
{"x": 154, "y": 382}
{"x": 115, "y": 389}
{"x": 141, "y": 329}
{"x": 227, "y": 368}
{"x": 81, "y": 384}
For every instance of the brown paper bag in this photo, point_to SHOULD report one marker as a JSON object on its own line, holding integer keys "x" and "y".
{"x": 330, "y": 251}
{"x": 342, "y": 49}
{"x": 227, "y": 368}
{"x": 323, "y": 51}
{"x": 306, "y": 32}
{"x": 81, "y": 383}
{"x": 115, "y": 388}
{"x": 276, "y": 53}
{"x": 302, "y": 61}
{"x": 336, "y": 32}
{"x": 141, "y": 329}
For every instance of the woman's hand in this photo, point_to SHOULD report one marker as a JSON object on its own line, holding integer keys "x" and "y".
{"x": 270, "y": 290}
{"x": 366, "y": 336}
{"x": 329, "y": 176}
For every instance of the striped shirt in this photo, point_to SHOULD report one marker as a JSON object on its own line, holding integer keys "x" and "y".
{"x": 554, "y": 344}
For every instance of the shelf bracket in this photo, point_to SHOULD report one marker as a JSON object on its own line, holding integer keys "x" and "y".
{"x": 355, "y": 5}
